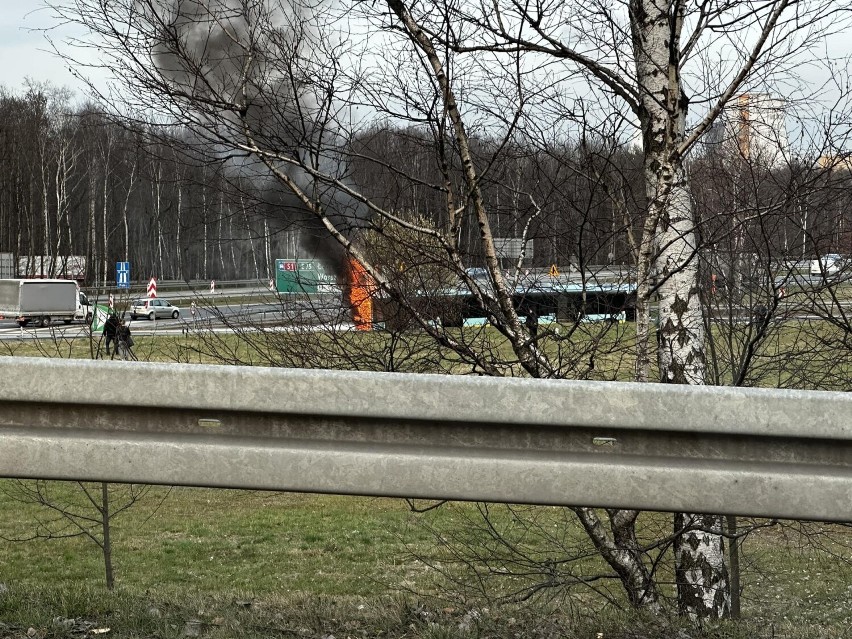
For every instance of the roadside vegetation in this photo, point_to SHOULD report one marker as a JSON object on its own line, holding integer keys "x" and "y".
{"x": 602, "y": 351}
{"x": 226, "y": 563}
{"x": 462, "y": 143}
{"x": 229, "y": 563}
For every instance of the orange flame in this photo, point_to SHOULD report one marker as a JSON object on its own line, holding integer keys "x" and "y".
{"x": 361, "y": 287}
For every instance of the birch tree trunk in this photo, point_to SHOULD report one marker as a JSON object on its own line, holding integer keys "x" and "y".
{"x": 157, "y": 194}
{"x": 66, "y": 157}
{"x": 219, "y": 238}
{"x": 231, "y": 242}
{"x": 106, "y": 157}
{"x": 124, "y": 213}
{"x": 179, "y": 220}
{"x": 58, "y": 187}
{"x": 267, "y": 250}
{"x": 700, "y": 567}
{"x": 45, "y": 203}
{"x": 205, "y": 224}
{"x": 250, "y": 238}
{"x": 91, "y": 235}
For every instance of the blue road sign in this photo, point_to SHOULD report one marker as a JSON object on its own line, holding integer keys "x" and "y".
{"x": 122, "y": 274}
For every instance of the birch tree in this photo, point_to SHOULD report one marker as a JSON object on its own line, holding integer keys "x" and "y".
{"x": 271, "y": 89}
{"x": 637, "y": 53}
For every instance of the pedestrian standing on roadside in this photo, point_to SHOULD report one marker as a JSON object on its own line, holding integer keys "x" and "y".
{"x": 124, "y": 341}
{"x": 110, "y": 329}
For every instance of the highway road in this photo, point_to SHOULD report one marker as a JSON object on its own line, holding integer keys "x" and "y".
{"x": 217, "y": 313}
{"x": 246, "y": 304}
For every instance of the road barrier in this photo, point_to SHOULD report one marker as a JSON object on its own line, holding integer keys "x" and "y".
{"x": 755, "y": 452}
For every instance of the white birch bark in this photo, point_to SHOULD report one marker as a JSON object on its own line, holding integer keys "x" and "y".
{"x": 158, "y": 219}
{"x": 91, "y": 235}
{"x": 703, "y": 590}
{"x": 179, "y": 221}
{"x": 125, "y": 211}
{"x": 701, "y": 570}
{"x": 219, "y": 239}
{"x": 105, "y": 214}
{"x": 45, "y": 202}
{"x": 206, "y": 225}
{"x": 267, "y": 250}
{"x": 58, "y": 187}
{"x": 250, "y": 238}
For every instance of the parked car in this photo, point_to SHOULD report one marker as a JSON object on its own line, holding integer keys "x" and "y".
{"x": 828, "y": 264}
{"x": 153, "y": 308}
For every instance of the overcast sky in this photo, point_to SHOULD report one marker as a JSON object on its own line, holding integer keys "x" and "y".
{"x": 25, "y": 52}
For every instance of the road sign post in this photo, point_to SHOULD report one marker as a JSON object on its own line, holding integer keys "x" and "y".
{"x": 303, "y": 276}
{"x": 122, "y": 274}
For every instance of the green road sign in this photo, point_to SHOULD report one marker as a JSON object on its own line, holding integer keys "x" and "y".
{"x": 303, "y": 276}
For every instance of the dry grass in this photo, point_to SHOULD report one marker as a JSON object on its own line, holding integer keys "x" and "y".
{"x": 260, "y": 564}
{"x": 278, "y": 563}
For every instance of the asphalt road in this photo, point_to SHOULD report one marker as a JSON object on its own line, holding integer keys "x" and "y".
{"x": 211, "y": 312}
{"x": 223, "y": 308}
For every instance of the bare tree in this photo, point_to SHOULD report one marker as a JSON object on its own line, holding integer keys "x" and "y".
{"x": 75, "y": 510}
{"x": 637, "y": 53}
{"x": 268, "y": 91}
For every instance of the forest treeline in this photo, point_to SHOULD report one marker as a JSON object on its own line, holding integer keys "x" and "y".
{"x": 74, "y": 182}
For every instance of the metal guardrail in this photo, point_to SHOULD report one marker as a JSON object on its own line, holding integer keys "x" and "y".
{"x": 649, "y": 446}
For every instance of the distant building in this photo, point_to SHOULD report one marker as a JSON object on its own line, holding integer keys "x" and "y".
{"x": 754, "y": 126}
{"x": 836, "y": 162}
{"x": 759, "y": 123}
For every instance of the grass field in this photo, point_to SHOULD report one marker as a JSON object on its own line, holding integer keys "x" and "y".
{"x": 810, "y": 354}
{"x": 221, "y": 563}
{"x": 315, "y": 565}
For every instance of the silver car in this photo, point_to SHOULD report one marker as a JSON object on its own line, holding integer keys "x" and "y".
{"x": 153, "y": 308}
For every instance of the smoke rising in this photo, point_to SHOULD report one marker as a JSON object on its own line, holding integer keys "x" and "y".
{"x": 248, "y": 73}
